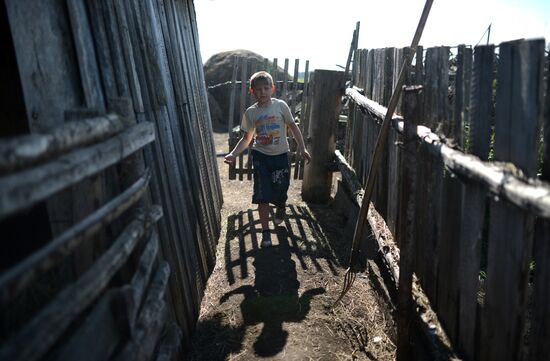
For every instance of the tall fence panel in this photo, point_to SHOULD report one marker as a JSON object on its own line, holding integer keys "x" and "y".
{"x": 141, "y": 61}
{"x": 475, "y": 264}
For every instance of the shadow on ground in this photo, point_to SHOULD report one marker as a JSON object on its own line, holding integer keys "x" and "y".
{"x": 265, "y": 283}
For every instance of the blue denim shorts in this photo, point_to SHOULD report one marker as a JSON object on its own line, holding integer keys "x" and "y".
{"x": 271, "y": 178}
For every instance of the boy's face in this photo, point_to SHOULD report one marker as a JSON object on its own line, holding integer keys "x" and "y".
{"x": 263, "y": 91}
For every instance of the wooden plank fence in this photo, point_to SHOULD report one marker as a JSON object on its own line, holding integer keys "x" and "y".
{"x": 292, "y": 90}
{"x": 126, "y": 226}
{"x": 471, "y": 193}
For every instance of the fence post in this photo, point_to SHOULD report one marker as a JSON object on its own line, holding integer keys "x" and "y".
{"x": 328, "y": 88}
{"x": 412, "y": 106}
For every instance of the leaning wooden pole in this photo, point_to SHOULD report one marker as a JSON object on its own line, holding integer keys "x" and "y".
{"x": 380, "y": 146}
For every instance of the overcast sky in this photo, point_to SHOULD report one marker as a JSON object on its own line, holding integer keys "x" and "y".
{"x": 320, "y": 31}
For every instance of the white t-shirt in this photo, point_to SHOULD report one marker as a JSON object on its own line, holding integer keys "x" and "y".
{"x": 270, "y": 126}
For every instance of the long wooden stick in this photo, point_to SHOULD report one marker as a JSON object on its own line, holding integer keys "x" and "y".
{"x": 380, "y": 146}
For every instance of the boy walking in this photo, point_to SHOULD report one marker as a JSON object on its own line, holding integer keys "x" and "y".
{"x": 268, "y": 119}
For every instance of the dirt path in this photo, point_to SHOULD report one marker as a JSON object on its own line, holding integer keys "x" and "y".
{"x": 275, "y": 303}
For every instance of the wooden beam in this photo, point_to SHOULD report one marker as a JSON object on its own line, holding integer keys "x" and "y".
{"x": 412, "y": 103}
{"x": 170, "y": 345}
{"x": 501, "y": 179}
{"x": 151, "y": 319}
{"x": 24, "y": 189}
{"x": 23, "y": 151}
{"x": 17, "y": 278}
{"x": 110, "y": 315}
{"x": 38, "y": 335}
{"x": 326, "y": 104}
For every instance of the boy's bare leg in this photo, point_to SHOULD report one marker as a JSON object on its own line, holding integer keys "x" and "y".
{"x": 263, "y": 209}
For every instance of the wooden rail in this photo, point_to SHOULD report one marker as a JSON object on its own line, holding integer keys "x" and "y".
{"x": 502, "y": 179}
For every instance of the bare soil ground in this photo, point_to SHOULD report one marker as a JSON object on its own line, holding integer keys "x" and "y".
{"x": 276, "y": 303}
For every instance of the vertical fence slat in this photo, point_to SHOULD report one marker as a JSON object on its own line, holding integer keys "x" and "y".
{"x": 473, "y": 202}
{"x": 518, "y": 114}
{"x": 540, "y": 347}
{"x": 412, "y": 100}
{"x": 451, "y": 209}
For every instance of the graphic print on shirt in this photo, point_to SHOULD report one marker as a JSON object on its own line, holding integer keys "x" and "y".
{"x": 268, "y": 131}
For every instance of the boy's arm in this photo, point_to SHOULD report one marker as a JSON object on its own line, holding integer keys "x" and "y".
{"x": 300, "y": 140}
{"x": 239, "y": 148}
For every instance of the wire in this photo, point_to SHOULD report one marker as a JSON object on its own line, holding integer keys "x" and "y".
{"x": 488, "y": 30}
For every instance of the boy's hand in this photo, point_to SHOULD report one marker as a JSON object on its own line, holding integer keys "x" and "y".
{"x": 306, "y": 156}
{"x": 229, "y": 159}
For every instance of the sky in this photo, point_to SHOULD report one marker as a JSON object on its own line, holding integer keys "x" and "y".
{"x": 321, "y": 31}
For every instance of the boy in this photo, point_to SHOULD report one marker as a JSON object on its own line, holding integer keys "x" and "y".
{"x": 268, "y": 119}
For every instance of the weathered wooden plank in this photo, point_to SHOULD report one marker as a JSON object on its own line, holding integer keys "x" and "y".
{"x": 118, "y": 15}
{"x": 170, "y": 346}
{"x": 473, "y": 201}
{"x": 106, "y": 67}
{"x": 461, "y": 108}
{"x": 23, "y": 151}
{"x": 326, "y": 107}
{"x": 284, "y": 92}
{"x": 151, "y": 320}
{"x": 203, "y": 203}
{"x": 394, "y": 155}
{"x": 518, "y": 115}
{"x": 412, "y": 102}
{"x": 142, "y": 275}
{"x": 110, "y": 315}
{"x": 419, "y": 66}
{"x": 436, "y": 110}
{"x": 46, "y": 61}
{"x": 86, "y": 55}
{"x": 205, "y": 128}
{"x": 540, "y": 349}
{"x": 232, "y": 91}
{"x": 18, "y": 277}
{"x": 38, "y": 335}
{"x": 23, "y": 189}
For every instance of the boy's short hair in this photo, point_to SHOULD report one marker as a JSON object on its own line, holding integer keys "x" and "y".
{"x": 259, "y": 77}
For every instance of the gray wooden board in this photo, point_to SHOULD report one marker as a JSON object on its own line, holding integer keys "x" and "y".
{"x": 156, "y": 54}
{"x": 18, "y": 277}
{"x": 106, "y": 69}
{"x": 124, "y": 28}
{"x": 205, "y": 195}
{"x": 46, "y": 61}
{"x": 86, "y": 55}
{"x": 540, "y": 349}
{"x": 164, "y": 155}
{"x": 406, "y": 220}
{"x": 206, "y": 124}
{"x": 451, "y": 209}
{"x": 114, "y": 41}
{"x": 179, "y": 135}
{"x": 317, "y": 181}
{"x": 519, "y": 96}
{"x": 473, "y": 202}
{"x": 87, "y": 343}
{"x": 42, "y": 331}
{"x": 26, "y": 188}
